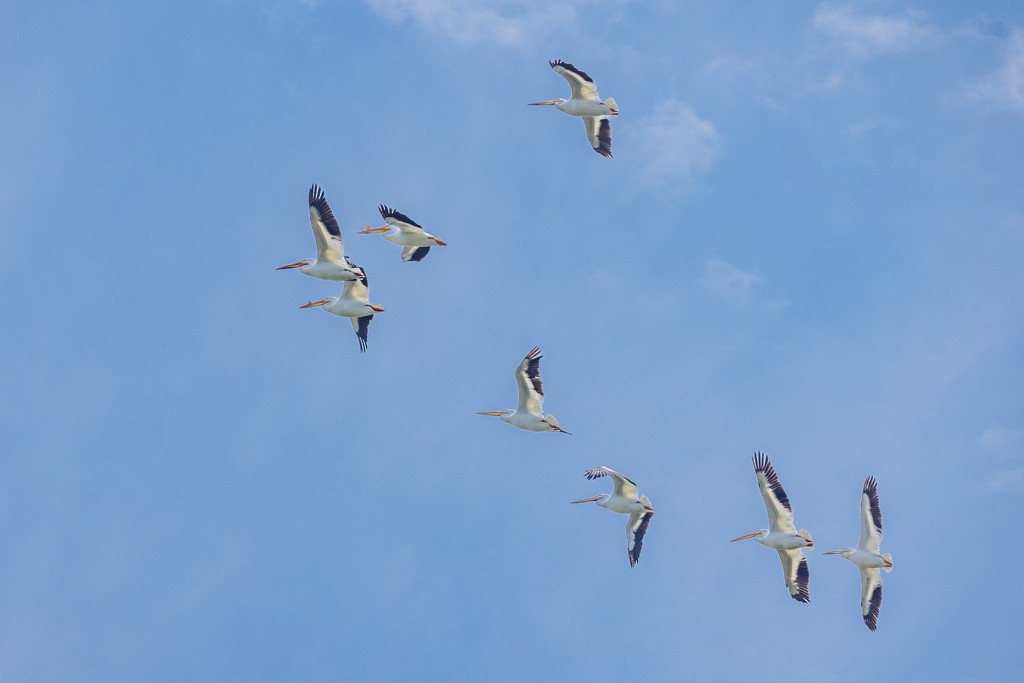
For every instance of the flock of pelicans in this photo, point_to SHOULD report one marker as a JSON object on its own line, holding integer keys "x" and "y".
{"x": 354, "y": 303}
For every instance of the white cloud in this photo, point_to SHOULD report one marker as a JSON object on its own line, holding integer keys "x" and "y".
{"x": 1005, "y": 480}
{"x": 728, "y": 282}
{"x": 674, "y": 143}
{"x": 1000, "y": 440}
{"x": 862, "y": 36}
{"x": 1006, "y": 86}
{"x": 469, "y": 22}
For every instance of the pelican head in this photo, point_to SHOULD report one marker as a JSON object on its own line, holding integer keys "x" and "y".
{"x": 842, "y": 551}
{"x": 323, "y": 302}
{"x": 304, "y": 263}
{"x": 600, "y": 500}
{"x": 553, "y": 103}
{"x": 753, "y": 534}
{"x": 372, "y": 231}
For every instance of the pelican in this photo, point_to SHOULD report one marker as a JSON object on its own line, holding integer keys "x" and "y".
{"x": 402, "y": 230}
{"x": 866, "y": 556}
{"x": 624, "y": 499}
{"x": 529, "y": 414}
{"x": 354, "y": 303}
{"x": 782, "y": 536}
{"x": 587, "y": 104}
{"x": 331, "y": 262}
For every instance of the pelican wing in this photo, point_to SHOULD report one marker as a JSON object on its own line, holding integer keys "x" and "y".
{"x": 870, "y": 518}
{"x": 531, "y": 389}
{"x": 794, "y": 570}
{"x": 362, "y": 327}
{"x": 582, "y": 85}
{"x": 414, "y": 253}
{"x": 399, "y": 220}
{"x": 636, "y": 528}
{"x": 599, "y": 132}
{"x": 870, "y": 596}
{"x": 780, "y": 513}
{"x": 357, "y": 290}
{"x": 623, "y": 487}
{"x": 326, "y": 231}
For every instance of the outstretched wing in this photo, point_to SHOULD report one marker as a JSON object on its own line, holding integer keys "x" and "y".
{"x": 326, "y": 231}
{"x": 397, "y": 219}
{"x": 531, "y": 389}
{"x": 780, "y": 513}
{"x": 582, "y": 85}
{"x": 599, "y": 132}
{"x": 362, "y": 327}
{"x": 623, "y": 487}
{"x": 798, "y": 578}
{"x": 636, "y": 528}
{"x": 870, "y": 518}
{"x": 870, "y": 596}
{"x": 414, "y": 253}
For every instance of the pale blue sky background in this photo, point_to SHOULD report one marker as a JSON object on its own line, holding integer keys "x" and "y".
{"x": 809, "y": 242}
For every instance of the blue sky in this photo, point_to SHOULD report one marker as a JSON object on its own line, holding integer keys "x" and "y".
{"x": 809, "y": 243}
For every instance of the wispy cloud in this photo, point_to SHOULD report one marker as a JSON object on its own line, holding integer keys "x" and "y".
{"x": 675, "y": 144}
{"x": 863, "y": 35}
{"x": 471, "y": 22}
{"x": 1006, "y": 86}
{"x": 729, "y": 282}
{"x": 1005, "y": 480}
{"x": 1001, "y": 441}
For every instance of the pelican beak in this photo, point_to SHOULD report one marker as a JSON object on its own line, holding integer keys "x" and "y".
{"x": 440, "y": 242}
{"x": 562, "y": 431}
{"x": 370, "y": 231}
{"x": 494, "y": 413}
{"x": 311, "y": 304}
{"x": 297, "y": 264}
{"x": 543, "y": 102}
{"x": 586, "y": 500}
{"x": 833, "y": 552}
{"x": 377, "y": 307}
{"x": 743, "y": 538}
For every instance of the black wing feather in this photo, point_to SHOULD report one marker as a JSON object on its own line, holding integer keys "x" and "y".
{"x": 364, "y": 328}
{"x": 874, "y": 607}
{"x": 638, "y": 539}
{"x": 419, "y": 253}
{"x": 319, "y": 202}
{"x": 570, "y": 67}
{"x": 871, "y": 489}
{"x": 764, "y": 466}
{"x": 387, "y": 212}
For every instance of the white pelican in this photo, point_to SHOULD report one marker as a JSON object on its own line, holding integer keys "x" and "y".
{"x": 331, "y": 262}
{"x": 627, "y": 501}
{"x": 406, "y": 232}
{"x": 530, "y": 412}
{"x": 587, "y": 104}
{"x": 354, "y": 303}
{"x": 782, "y": 536}
{"x": 866, "y": 556}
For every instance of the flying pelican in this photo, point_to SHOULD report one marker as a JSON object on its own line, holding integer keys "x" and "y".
{"x": 331, "y": 262}
{"x": 866, "y": 556}
{"x": 587, "y": 104}
{"x": 354, "y": 303}
{"x": 530, "y": 412}
{"x": 625, "y": 500}
{"x": 406, "y": 232}
{"x": 783, "y": 536}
